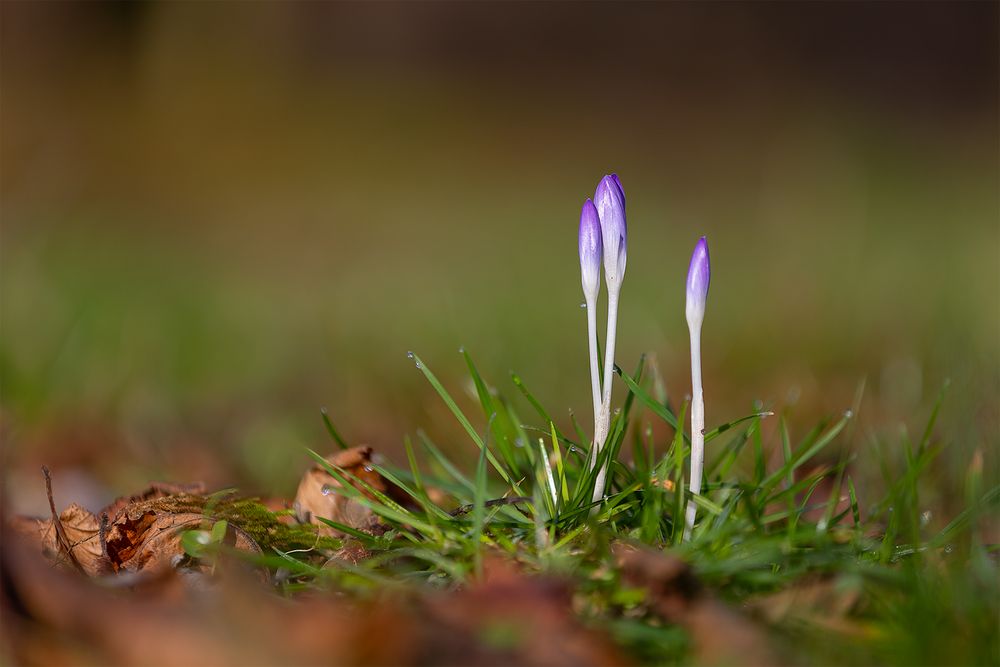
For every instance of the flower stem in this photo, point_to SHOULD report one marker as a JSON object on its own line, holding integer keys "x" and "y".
{"x": 604, "y": 420}
{"x": 697, "y": 429}
{"x": 595, "y": 379}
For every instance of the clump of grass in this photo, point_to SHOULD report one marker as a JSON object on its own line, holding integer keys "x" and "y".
{"x": 924, "y": 595}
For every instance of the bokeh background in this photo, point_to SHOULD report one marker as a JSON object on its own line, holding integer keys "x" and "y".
{"x": 219, "y": 217}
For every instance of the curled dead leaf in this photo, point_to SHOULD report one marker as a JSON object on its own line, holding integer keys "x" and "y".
{"x": 81, "y": 530}
{"x": 145, "y": 535}
{"x": 317, "y": 495}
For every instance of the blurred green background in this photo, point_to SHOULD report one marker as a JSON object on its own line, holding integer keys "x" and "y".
{"x": 218, "y": 217}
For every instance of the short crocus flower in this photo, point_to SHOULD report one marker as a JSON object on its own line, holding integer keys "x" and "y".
{"x": 699, "y": 276}
{"x": 591, "y": 250}
{"x": 591, "y": 254}
{"x": 610, "y": 202}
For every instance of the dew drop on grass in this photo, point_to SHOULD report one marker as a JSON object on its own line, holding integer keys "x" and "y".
{"x": 519, "y": 442}
{"x": 573, "y": 450}
{"x": 369, "y": 469}
{"x": 583, "y": 305}
{"x": 848, "y": 413}
{"x": 326, "y": 489}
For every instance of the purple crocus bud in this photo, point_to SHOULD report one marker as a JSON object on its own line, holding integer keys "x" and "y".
{"x": 699, "y": 275}
{"x": 591, "y": 250}
{"x": 610, "y": 201}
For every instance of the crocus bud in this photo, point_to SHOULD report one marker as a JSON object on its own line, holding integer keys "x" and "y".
{"x": 610, "y": 202}
{"x": 590, "y": 250}
{"x": 699, "y": 275}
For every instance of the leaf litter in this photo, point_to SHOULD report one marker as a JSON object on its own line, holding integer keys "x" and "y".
{"x": 121, "y": 586}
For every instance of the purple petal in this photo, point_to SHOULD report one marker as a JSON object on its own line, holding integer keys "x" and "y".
{"x": 591, "y": 246}
{"x": 699, "y": 276}
{"x": 610, "y": 202}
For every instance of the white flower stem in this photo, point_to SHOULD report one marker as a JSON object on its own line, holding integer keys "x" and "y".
{"x": 604, "y": 419}
{"x": 595, "y": 378}
{"x": 697, "y": 428}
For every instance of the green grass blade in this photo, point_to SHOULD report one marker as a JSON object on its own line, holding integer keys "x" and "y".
{"x": 464, "y": 421}
{"x": 445, "y": 462}
{"x": 719, "y": 430}
{"x": 479, "y": 513}
{"x": 332, "y": 430}
{"x": 661, "y": 411}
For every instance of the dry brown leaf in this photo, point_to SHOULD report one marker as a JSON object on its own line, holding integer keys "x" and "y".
{"x": 317, "y": 494}
{"x": 147, "y": 537}
{"x": 81, "y": 529}
{"x": 144, "y": 537}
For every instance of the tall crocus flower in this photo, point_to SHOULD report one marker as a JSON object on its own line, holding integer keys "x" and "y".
{"x": 699, "y": 275}
{"x": 591, "y": 255}
{"x": 609, "y": 200}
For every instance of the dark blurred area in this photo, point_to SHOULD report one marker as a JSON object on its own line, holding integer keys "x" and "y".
{"x": 218, "y": 217}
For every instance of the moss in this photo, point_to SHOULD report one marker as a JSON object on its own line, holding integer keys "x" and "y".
{"x": 249, "y": 514}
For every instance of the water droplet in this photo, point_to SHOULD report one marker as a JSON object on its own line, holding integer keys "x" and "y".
{"x": 409, "y": 355}
{"x": 369, "y": 469}
{"x": 925, "y": 517}
{"x": 519, "y": 442}
{"x": 758, "y": 404}
{"x": 948, "y": 548}
{"x": 461, "y": 350}
{"x": 583, "y": 305}
{"x": 848, "y": 413}
{"x": 326, "y": 489}
{"x": 419, "y": 365}
{"x": 573, "y": 450}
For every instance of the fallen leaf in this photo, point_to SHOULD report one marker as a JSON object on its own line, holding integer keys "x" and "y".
{"x": 81, "y": 529}
{"x": 147, "y": 536}
{"x": 317, "y": 495}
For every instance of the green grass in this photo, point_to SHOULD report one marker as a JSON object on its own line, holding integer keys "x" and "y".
{"x": 917, "y": 594}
